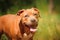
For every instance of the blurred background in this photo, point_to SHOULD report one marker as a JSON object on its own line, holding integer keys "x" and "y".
{"x": 49, "y": 23}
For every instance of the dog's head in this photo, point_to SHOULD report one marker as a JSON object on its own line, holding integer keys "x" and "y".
{"x": 29, "y": 18}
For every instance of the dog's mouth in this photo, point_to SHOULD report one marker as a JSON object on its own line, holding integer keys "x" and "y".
{"x": 32, "y": 28}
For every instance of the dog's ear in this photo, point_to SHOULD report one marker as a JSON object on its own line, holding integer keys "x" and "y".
{"x": 37, "y": 11}
{"x": 20, "y": 11}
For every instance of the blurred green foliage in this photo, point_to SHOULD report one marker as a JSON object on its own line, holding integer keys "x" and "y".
{"x": 12, "y": 6}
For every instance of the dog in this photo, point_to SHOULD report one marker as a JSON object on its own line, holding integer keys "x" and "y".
{"x": 21, "y": 26}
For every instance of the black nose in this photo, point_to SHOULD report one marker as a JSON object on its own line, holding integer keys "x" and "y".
{"x": 32, "y": 20}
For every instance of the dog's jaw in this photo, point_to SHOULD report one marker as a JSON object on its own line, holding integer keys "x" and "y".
{"x": 32, "y": 28}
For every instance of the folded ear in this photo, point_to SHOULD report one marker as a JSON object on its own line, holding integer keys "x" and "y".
{"x": 20, "y": 12}
{"x": 36, "y": 9}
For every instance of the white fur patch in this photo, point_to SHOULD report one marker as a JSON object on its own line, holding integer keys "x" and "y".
{"x": 25, "y": 34}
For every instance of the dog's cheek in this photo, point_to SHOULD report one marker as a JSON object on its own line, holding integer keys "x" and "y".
{"x": 24, "y": 20}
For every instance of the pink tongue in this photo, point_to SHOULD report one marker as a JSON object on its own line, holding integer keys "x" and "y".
{"x": 33, "y": 30}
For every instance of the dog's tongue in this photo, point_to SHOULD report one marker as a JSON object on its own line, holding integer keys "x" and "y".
{"x": 33, "y": 30}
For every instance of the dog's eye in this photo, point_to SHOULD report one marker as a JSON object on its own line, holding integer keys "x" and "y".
{"x": 35, "y": 14}
{"x": 26, "y": 16}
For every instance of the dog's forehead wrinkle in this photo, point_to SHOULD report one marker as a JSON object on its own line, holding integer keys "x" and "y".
{"x": 30, "y": 11}
{"x": 25, "y": 14}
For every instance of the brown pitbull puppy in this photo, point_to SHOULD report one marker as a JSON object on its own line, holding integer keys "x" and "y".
{"x": 21, "y": 26}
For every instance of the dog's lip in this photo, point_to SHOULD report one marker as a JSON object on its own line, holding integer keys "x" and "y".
{"x": 33, "y": 30}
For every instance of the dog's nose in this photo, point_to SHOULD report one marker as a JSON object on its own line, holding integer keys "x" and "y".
{"x": 32, "y": 20}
